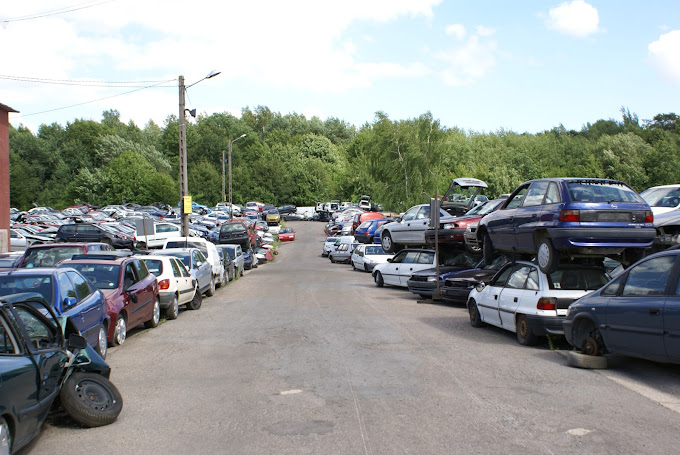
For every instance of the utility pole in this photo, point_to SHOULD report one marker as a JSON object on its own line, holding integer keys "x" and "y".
{"x": 223, "y": 196}
{"x": 183, "y": 183}
{"x": 231, "y": 203}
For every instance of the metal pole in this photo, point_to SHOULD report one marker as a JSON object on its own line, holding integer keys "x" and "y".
{"x": 223, "y": 196}
{"x": 183, "y": 183}
{"x": 231, "y": 204}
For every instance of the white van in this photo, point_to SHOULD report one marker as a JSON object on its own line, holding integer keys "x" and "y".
{"x": 208, "y": 249}
{"x": 155, "y": 234}
{"x": 340, "y": 240}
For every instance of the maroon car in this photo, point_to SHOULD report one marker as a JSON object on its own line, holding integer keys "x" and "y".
{"x": 452, "y": 229}
{"x": 131, "y": 291}
{"x": 50, "y": 254}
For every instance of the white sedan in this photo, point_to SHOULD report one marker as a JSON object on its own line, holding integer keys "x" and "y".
{"x": 522, "y": 299}
{"x": 175, "y": 285}
{"x": 366, "y": 257}
{"x": 398, "y": 270}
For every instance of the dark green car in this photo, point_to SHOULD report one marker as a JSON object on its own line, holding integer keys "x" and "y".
{"x": 33, "y": 352}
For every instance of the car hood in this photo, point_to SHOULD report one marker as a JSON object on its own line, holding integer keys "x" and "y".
{"x": 444, "y": 270}
{"x": 475, "y": 275}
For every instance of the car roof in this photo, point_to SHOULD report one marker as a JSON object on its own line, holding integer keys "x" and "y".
{"x": 33, "y": 271}
{"x": 578, "y": 179}
{"x": 118, "y": 261}
{"x": 57, "y": 245}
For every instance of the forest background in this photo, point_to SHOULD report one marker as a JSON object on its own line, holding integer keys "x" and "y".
{"x": 291, "y": 159}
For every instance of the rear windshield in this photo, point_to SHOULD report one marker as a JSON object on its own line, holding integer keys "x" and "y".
{"x": 188, "y": 244}
{"x": 184, "y": 257}
{"x": 601, "y": 192}
{"x": 14, "y": 284}
{"x": 104, "y": 276}
{"x": 48, "y": 257}
{"x": 155, "y": 266}
{"x": 578, "y": 279}
{"x": 377, "y": 249}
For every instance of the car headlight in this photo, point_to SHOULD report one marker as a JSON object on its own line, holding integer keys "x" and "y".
{"x": 449, "y": 226}
{"x": 431, "y": 279}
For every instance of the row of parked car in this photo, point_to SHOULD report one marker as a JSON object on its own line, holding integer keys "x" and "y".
{"x": 549, "y": 259}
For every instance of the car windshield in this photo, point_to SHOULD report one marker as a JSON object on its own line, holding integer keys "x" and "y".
{"x": 48, "y": 257}
{"x": 662, "y": 197}
{"x": 601, "y": 192}
{"x": 155, "y": 266}
{"x": 467, "y": 259}
{"x": 14, "y": 284}
{"x": 104, "y": 276}
{"x": 582, "y": 279}
{"x": 485, "y": 208}
{"x": 375, "y": 249}
{"x": 233, "y": 227}
{"x": 285, "y": 230}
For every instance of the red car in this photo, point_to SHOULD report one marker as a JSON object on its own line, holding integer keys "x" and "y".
{"x": 131, "y": 291}
{"x": 286, "y": 234}
{"x": 452, "y": 229}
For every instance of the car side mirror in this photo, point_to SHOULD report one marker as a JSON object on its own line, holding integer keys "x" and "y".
{"x": 134, "y": 297}
{"x": 70, "y": 302}
{"x": 398, "y": 219}
{"x": 389, "y": 259}
{"x": 76, "y": 341}
{"x": 480, "y": 286}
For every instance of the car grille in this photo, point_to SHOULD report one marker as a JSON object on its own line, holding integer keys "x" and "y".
{"x": 461, "y": 284}
{"x": 418, "y": 278}
{"x": 612, "y": 216}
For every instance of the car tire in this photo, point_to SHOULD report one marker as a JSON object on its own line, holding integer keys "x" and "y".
{"x": 547, "y": 258}
{"x": 525, "y": 336}
{"x": 591, "y": 362}
{"x": 102, "y": 343}
{"x": 387, "y": 243}
{"x": 366, "y": 268}
{"x": 487, "y": 249}
{"x": 5, "y": 437}
{"x": 211, "y": 289}
{"x": 172, "y": 311}
{"x": 332, "y": 261}
{"x": 353, "y": 266}
{"x": 475, "y": 317}
{"x": 379, "y": 280}
{"x": 120, "y": 331}
{"x": 91, "y": 399}
{"x": 196, "y": 302}
{"x": 155, "y": 315}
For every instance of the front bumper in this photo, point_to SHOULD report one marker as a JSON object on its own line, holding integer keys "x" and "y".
{"x": 459, "y": 295}
{"x": 422, "y": 287}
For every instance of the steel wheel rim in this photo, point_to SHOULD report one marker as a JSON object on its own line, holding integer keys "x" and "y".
{"x": 386, "y": 243}
{"x": 5, "y": 442}
{"x": 121, "y": 331}
{"x": 175, "y": 306}
{"x": 543, "y": 255}
{"x": 102, "y": 341}
{"x": 156, "y": 312}
{"x": 94, "y": 395}
{"x": 590, "y": 347}
{"x": 523, "y": 328}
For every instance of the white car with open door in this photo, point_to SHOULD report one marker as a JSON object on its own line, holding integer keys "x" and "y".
{"x": 397, "y": 270}
{"x": 175, "y": 284}
{"x": 522, "y": 299}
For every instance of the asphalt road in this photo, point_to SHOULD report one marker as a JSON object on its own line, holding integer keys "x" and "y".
{"x": 302, "y": 356}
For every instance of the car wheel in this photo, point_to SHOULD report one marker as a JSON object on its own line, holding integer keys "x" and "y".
{"x": 196, "y": 302}
{"x": 475, "y": 317}
{"x": 332, "y": 261}
{"x": 353, "y": 266}
{"x": 102, "y": 345}
{"x": 547, "y": 257}
{"x": 365, "y": 268}
{"x": 173, "y": 310}
{"x": 211, "y": 290}
{"x": 120, "y": 331}
{"x": 524, "y": 334}
{"x": 487, "y": 249}
{"x": 241, "y": 272}
{"x": 5, "y": 437}
{"x": 155, "y": 315}
{"x": 591, "y": 362}
{"x": 91, "y": 399}
{"x": 379, "y": 280}
{"x": 386, "y": 241}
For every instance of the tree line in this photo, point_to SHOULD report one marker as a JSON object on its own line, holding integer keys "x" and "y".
{"x": 291, "y": 159}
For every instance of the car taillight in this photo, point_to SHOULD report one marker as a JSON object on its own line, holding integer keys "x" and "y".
{"x": 649, "y": 216}
{"x": 570, "y": 215}
{"x": 546, "y": 303}
{"x": 164, "y": 284}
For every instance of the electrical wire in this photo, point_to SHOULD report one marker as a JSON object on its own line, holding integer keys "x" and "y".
{"x": 66, "y": 9}
{"x": 80, "y": 83}
{"x": 94, "y": 101}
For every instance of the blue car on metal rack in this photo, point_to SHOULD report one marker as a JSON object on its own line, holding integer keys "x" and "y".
{"x": 569, "y": 217}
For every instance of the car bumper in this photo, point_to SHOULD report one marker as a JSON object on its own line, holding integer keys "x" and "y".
{"x": 422, "y": 287}
{"x": 363, "y": 238}
{"x": 584, "y": 238}
{"x": 165, "y": 298}
{"x": 445, "y": 236}
{"x": 455, "y": 294}
{"x": 546, "y": 325}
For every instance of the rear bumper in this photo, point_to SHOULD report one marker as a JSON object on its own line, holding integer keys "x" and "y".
{"x": 584, "y": 238}
{"x": 363, "y": 238}
{"x": 445, "y": 236}
{"x": 546, "y": 325}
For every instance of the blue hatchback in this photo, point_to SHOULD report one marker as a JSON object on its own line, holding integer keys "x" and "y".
{"x": 70, "y": 294}
{"x": 575, "y": 217}
{"x": 366, "y": 230}
{"x": 635, "y": 314}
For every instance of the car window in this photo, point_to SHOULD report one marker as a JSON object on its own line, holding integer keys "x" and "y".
{"x": 649, "y": 277}
{"x": 183, "y": 269}
{"x": 516, "y": 200}
{"x": 42, "y": 332}
{"x": 66, "y": 287}
{"x": 425, "y": 257}
{"x": 535, "y": 194}
{"x": 584, "y": 279}
{"x": 80, "y": 284}
{"x": 410, "y": 214}
{"x": 142, "y": 270}
{"x": 612, "y": 288}
{"x": 518, "y": 277}
{"x": 601, "y": 192}
{"x": 129, "y": 277}
{"x": 532, "y": 280}
{"x": 155, "y": 266}
{"x": 8, "y": 344}
{"x": 173, "y": 265}
{"x": 423, "y": 213}
{"x": 552, "y": 196}
{"x": 399, "y": 257}
{"x": 503, "y": 276}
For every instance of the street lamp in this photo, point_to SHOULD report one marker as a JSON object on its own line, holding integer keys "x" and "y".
{"x": 183, "y": 182}
{"x": 231, "y": 205}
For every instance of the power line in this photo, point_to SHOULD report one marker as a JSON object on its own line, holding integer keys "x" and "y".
{"x": 80, "y": 83}
{"x": 66, "y": 9}
{"x": 94, "y": 101}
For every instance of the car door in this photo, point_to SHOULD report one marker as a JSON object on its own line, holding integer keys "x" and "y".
{"x": 410, "y": 264}
{"x": 391, "y": 269}
{"x": 87, "y": 233}
{"x": 185, "y": 286}
{"x": 527, "y": 216}
{"x": 500, "y": 224}
{"x": 635, "y": 317}
{"x": 93, "y": 306}
{"x": 488, "y": 298}
{"x": 81, "y": 315}
{"x": 135, "y": 295}
{"x": 147, "y": 286}
{"x": 203, "y": 269}
{"x": 400, "y": 231}
{"x": 513, "y": 293}
{"x": 671, "y": 320}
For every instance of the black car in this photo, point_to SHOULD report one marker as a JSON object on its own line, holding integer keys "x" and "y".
{"x": 89, "y": 232}
{"x": 457, "y": 287}
{"x": 424, "y": 282}
{"x": 235, "y": 232}
{"x": 287, "y": 209}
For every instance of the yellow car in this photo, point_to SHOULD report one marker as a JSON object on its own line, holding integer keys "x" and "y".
{"x": 273, "y": 217}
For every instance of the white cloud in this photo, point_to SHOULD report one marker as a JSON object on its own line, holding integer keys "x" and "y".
{"x": 664, "y": 55}
{"x": 575, "y": 18}
{"x": 470, "y": 62}
{"x": 485, "y": 31}
{"x": 457, "y": 30}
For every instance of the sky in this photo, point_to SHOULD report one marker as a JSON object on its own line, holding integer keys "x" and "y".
{"x": 484, "y": 66}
